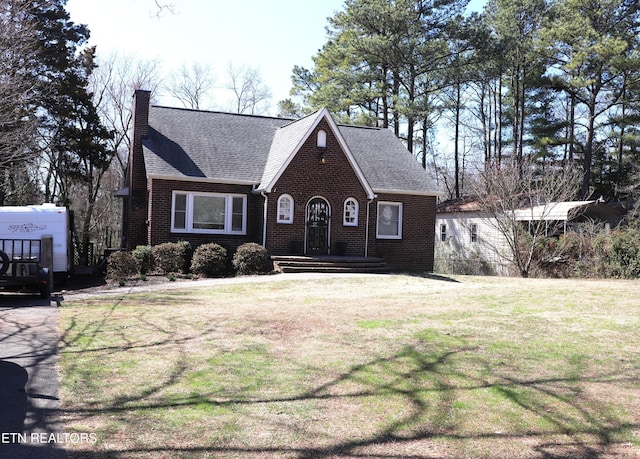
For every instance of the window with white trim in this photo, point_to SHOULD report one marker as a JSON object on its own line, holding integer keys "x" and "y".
{"x": 285, "y": 209}
{"x": 212, "y": 213}
{"x": 350, "y": 217}
{"x": 473, "y": 232}
{"x": 389, "y": 224}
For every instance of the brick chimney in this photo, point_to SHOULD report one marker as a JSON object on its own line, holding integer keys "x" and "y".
{"x": 136, "y": 224}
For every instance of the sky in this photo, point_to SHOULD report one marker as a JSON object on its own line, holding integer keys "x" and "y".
{"x": 271, "y": 36}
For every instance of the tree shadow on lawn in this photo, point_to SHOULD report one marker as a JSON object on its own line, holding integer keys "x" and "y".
{"x": 29, "y": 403}
{"x": 436, "y": 378}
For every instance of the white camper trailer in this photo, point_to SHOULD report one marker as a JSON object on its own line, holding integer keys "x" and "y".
{"x": 22, "y": 231}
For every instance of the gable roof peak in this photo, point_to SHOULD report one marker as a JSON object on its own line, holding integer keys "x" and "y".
{"x": 307, "y": 118}
{"x": 289, "y": 139}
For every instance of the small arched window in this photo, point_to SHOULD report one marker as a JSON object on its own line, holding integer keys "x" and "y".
{"x": 322, "y": 139}
{"x": 285, "y": 209}
{"x": 350, "y": 217}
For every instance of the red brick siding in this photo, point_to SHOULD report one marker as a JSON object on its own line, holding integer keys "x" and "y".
{"x": 414, "y": 251}
{"x": 136, "y": 205}
{"x": 305, "y": 178}
{"x": 160, "y": 198}
{"x": 149, "y": 205}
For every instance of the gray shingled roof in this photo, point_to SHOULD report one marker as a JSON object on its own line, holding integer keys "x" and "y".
{"x": 190, "y": 143}
{"x": 385, "y": 162}
{"x": 252, "y": 149}
{"x": 285, "y": 141}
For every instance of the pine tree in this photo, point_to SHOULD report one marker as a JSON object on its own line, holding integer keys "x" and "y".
{"x": 590, "y": 43}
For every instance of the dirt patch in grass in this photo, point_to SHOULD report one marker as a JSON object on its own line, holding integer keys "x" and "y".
{"x": 363, "y": 366}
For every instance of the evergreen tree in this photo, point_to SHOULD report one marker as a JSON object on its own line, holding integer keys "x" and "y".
{"x": 590, "y": 43}
{"x": 516, "y": 24}
{"x": 381, "y": 63}
{"x": 70, "y": 151}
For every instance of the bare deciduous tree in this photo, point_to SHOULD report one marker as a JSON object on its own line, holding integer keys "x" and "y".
{"x": 19, "y": 85}
{"x": 162, "y": 7}
{"x": 509, "y": 187}
{"x": 251, "y": 94}
{"x": 192, "y": 84}
{"x": 112, "y": 84}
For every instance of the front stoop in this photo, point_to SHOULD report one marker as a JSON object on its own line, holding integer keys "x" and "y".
{"x": 328, "y": 264}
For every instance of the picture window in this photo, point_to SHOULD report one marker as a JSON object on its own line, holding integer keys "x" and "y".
{"x": 208, "y": 213}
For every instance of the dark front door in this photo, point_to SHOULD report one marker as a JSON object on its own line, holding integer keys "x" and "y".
{"x": 318, "y": 227}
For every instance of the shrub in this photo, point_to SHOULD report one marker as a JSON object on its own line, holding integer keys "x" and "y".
{"x": 169, "y": 257}
{"x": 209, "y": 260}
{"x": 573, "y": 254}
{"x": 187, "y": 253}
{"x": 250, "y": 258}
{"x": 620, "y": 251}
{"x": 142, "y": 255}
{"x": 121, "y": 265}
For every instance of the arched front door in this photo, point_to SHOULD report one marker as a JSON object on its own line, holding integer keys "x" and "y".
{"x": 318, "y": 217}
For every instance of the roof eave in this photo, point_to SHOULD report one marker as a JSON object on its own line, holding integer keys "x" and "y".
{"x": 184, "y": 178}
{"x": 408, "y": 192}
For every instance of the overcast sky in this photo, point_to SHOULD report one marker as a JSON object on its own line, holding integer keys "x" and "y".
{"x": 272, "y": 36}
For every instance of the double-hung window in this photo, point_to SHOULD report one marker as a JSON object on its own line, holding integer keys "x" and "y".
{"x": 212, "y": 213}
{"x": 389, "y": 224}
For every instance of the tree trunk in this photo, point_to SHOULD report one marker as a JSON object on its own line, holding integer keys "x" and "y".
{"x": 456, "y": 146}
{"x": 588, "y": 154}
{"x": 396, "y": 96}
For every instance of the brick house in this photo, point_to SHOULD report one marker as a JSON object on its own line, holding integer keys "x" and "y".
{"x": 306, "y": 186}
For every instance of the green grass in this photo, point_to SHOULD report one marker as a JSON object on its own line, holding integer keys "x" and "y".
{"x": 393, "y": 366}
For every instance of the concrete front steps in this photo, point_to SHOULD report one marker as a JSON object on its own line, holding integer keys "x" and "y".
{"x": 328, "y": 264}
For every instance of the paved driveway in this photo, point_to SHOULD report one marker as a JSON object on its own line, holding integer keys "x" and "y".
{"x": 30, "y": 425}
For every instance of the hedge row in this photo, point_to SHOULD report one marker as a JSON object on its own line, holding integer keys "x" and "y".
{"x": 208, "y": 260}
{"x": 614, "y": 254}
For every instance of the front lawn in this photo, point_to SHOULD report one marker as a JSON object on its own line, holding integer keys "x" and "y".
{"x": 385, "y": 366}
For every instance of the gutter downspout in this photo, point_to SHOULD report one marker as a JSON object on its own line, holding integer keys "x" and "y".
{"x": 264, "y": 219}
{"x": 366, "y": 238}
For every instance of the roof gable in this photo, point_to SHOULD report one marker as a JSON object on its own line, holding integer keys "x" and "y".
{"x": 287, "y": 143}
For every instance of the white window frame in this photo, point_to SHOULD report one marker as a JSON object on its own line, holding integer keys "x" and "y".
{"x": 473, "y": 232}
{"x": 288, "y": 220}
{"x": 228, "y": 213}
{"x": 355, "y": 212}
{"x": 381, "y": 204}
